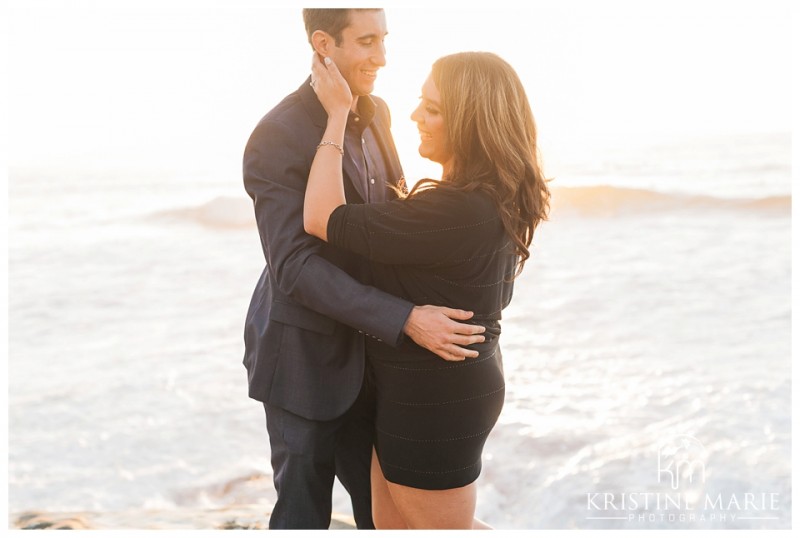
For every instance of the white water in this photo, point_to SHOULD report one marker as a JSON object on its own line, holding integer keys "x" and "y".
{"x": 641, "y": 316}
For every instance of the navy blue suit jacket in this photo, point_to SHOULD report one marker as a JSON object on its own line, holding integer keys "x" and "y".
{"x": 304, "y": 351}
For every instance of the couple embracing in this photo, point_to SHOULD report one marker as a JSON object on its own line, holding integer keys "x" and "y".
{"x": 372, "y": 335}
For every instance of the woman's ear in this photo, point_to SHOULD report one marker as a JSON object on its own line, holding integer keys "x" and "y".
{"x": 322, "y": 42}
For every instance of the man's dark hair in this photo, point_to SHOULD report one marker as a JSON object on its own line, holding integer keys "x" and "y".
{"x": 330, "y": 21}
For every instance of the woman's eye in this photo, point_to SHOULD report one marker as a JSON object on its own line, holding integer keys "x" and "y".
{"x": 430, "y": 110}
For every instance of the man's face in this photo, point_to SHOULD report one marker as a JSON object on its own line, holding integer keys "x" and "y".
{"x": 361, "y": 52}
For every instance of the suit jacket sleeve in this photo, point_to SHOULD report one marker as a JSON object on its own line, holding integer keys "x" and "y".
{"x": 276, "y": 165}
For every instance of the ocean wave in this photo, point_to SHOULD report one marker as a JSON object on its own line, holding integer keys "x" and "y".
{"x": 220, "y": 212}
{"x": 593, "y": 201}
{"x": 610, "y": 201}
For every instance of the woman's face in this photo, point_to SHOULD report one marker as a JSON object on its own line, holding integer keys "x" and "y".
{"x": 434, "y": 144}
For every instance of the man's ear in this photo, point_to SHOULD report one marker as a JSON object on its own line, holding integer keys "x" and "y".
{"x": 322, "y": 42}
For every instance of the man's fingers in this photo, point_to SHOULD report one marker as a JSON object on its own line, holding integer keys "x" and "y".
{"x": 466, "y": 328}
{"x": 451, "y": 357}
{"x": 461, "y": 352}
{"x": 454, "y": 353}
{"x": 466, "y": 340}
{"x": 454, "y": 313}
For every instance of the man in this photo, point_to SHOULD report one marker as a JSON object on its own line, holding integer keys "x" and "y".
{"x": 304, "y": 359}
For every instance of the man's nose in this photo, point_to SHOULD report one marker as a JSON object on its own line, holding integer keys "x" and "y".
{"x": 379, "y": 58}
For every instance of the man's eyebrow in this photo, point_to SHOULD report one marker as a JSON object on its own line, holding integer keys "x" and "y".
{"x": 370, "y": 36}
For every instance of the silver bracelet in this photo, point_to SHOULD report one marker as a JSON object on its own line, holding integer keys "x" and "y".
{"x": 329, "y": 143}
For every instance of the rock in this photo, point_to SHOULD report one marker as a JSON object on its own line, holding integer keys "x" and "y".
{"x": 36, "y": 521}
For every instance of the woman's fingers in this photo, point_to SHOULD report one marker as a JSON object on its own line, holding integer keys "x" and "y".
{"x": 331, "y": 65}
{"x": 325, "y": 78}
{"x": 323, "y": 66}
{"x": 319, "y": 68}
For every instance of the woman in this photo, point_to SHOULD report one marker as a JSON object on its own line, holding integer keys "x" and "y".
{"x": 457, "y": 242}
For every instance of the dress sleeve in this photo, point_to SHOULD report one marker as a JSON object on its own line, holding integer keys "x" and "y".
{"x": 431, "y": 227}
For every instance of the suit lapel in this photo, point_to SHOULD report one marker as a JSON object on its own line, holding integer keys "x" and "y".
{"x": 388, "y": 152}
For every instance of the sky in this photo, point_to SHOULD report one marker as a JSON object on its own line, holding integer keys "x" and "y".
{"x": 179, "y": 85}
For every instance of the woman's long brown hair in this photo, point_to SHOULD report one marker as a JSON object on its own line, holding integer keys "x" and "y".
{"x": 492, "y": 135}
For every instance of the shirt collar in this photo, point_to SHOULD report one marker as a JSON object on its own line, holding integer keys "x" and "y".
{"x": 364, "y": 114}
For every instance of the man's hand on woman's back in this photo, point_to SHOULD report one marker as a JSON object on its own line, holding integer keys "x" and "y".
{"x": 437, "y": 329}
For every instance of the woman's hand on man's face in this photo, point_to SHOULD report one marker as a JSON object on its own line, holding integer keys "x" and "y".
{"x": 330, "y": 86}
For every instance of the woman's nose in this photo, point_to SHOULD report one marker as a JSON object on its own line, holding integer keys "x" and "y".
{"x": 416, "y": 115}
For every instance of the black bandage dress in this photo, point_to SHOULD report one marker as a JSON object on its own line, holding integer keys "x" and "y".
{"x": 448, "y": 247}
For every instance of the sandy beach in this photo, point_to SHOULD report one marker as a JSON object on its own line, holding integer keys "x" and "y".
{"x": 235, "y": 517}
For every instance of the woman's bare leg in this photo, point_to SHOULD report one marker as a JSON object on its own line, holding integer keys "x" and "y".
{"x": 384, "y": 512}
{"x": 435, "y": 509}
{"x": 435, "y": 505}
